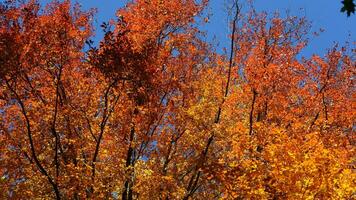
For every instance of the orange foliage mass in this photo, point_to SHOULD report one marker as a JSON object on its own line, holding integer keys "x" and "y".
{"x": 154, "y": 112}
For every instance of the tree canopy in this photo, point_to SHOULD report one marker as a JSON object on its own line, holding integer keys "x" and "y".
{"x": 348, "y": 7}
{"x": 155, "y": 112}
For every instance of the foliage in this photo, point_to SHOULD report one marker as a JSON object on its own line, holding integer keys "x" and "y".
{"x": 154, "y": 112}
{"x": 348, "y": 7}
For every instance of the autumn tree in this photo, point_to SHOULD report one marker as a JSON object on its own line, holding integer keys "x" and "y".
{"x": 154, "y": 112}
{"x": 41, "y": 62}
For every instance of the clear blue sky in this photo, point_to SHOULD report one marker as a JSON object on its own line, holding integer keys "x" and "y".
{"x": 323, "y": 14}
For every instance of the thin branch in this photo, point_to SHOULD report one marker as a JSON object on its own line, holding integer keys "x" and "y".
{"x": 251, "y": 112}
{"x": 32, "y": 146}
{"x": 105, "y": 118}
{"x": 53, "y": 128}
{"x": 193, "y": 182}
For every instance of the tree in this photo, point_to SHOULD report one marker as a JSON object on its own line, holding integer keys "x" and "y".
{"x": 154, "y": 112}
{"x": 42, "y": 61}
{"x": 348, "y": 7}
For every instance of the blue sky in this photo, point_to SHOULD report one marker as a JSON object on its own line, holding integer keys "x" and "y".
{"x": 323, "y": 14}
